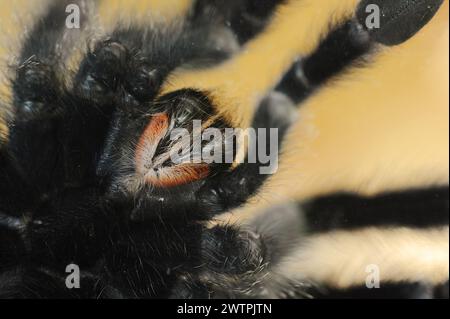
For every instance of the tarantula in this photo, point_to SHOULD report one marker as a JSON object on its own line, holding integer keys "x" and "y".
{"x": 86, "y": 176}
{"x": 75, "y": 179}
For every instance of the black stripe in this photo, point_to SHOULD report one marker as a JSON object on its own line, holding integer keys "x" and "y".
{"x": 413, "y": 208}
{"x": 388, "y": 291}
{"x": 339, "y": 49}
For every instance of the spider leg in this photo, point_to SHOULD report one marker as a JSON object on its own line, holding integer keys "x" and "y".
{"x": 341, "y": 48}
{"x": 239, "y": 262}
{"x": 227, "y": 255}
{"x": 353, "y": 42}
{"x": 102, "y": 73}
{"x": 41, "y": 105}
{"x": 36, "y": 86}
{"x": 36, "y": 89}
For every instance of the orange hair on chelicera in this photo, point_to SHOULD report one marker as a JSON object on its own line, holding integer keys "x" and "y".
{"x": 163, "y": 176}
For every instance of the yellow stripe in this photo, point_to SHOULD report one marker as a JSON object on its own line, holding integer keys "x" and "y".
{"x": 343, "y": 259}
{"x": 237, "y": 86}
{"x": 140, "y": 12}
{"x": 3, "y": 131}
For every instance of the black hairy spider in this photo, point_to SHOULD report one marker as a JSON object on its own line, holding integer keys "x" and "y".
{"x": 86, "y": 176}
{"x": 63, "y": 199}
